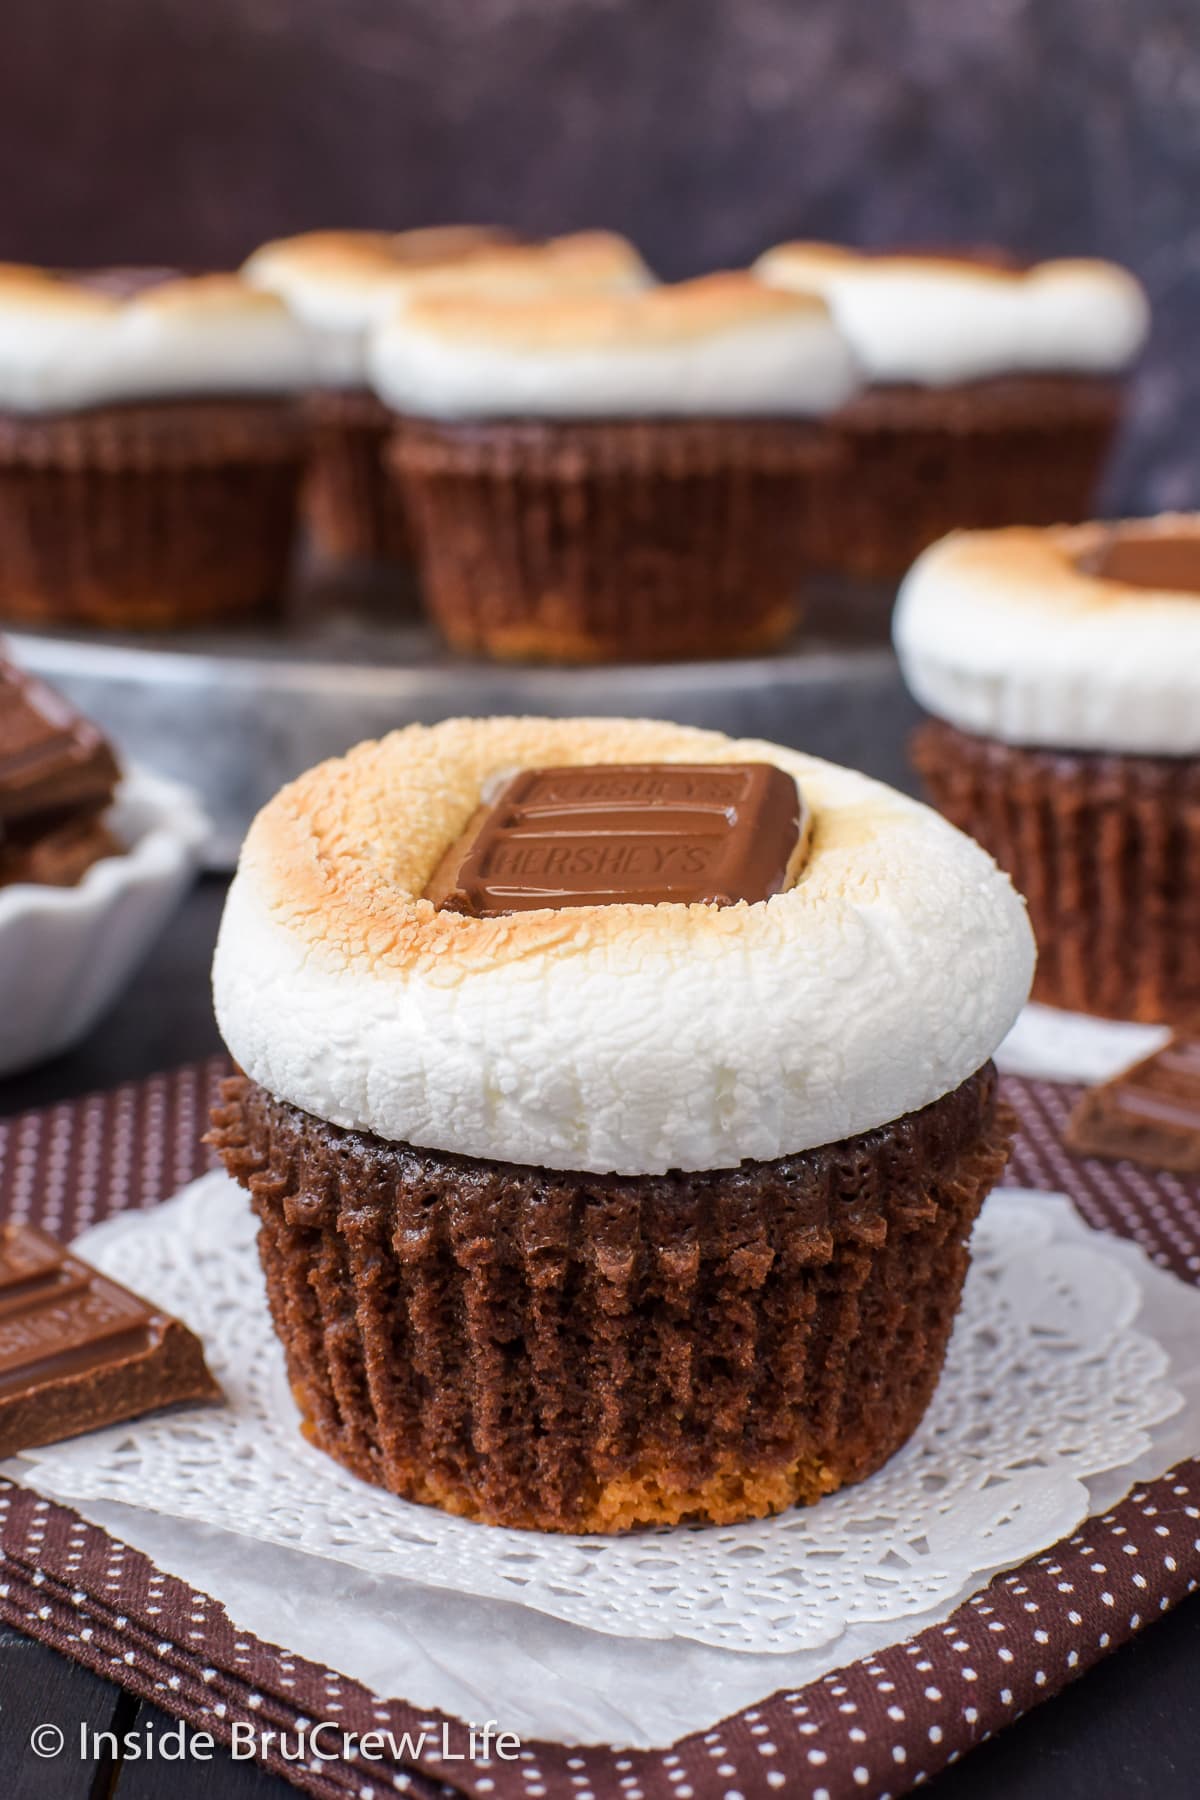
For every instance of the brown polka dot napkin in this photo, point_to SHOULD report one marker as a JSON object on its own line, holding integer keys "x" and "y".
{"x": 871, "y": 1729}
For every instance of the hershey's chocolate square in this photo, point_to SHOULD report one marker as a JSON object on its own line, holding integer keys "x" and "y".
{"x": 605, "y": 833}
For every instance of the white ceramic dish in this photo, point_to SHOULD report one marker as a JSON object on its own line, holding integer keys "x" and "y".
{"x": 66, "y": 953}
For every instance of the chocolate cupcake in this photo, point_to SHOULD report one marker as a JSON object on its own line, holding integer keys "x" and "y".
{"x": 614, "y": 478}
{"x": 1062, "y": 668}
{"x": 616, "y": 1106}
{"x": 342, "y": 282}
{"x": 150, "y": 450}
{"x": 994, "y": 391}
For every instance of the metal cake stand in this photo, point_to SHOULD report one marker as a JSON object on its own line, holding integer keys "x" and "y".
{"x": 237, "y": 713}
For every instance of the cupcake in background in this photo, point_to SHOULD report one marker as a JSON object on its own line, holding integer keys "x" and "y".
{"x": 994, "y": 390}
{"x": 150, "y": 447}
{"x": 613, "y": 477}
{"x": 340, "y": 283}
{"x": 334, "y": 280}
{"x": 1062, "y": 670}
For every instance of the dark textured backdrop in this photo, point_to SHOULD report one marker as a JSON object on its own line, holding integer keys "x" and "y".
{"x": 189, "y": 129}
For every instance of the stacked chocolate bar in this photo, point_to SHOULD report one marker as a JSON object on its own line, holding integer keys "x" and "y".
{"x": 57, "y": 779}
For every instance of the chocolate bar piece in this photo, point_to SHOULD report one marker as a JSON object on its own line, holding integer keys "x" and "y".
{"x": 55, "y": 850}
{"x": 52, "y": 759}
{"x": 600, "y": 834}
{"x": 78, "y": 1352}
{"x": 1149, "y": 1114}
{"x": 1167, "y": 562}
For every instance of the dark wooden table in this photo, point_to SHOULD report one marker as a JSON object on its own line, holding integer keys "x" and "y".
{"x": 1131, "y": 1728}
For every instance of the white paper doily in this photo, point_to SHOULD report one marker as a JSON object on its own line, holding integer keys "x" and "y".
{"x": 1048, "y": 1381}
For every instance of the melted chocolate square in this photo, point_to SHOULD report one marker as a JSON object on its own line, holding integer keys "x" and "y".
{"x": 610, "y": 833}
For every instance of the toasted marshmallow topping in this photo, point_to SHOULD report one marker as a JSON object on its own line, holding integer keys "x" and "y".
{"x": 293, "y": 267}
{"x": 344, "y": 282}
{"x": 1021, "y": 635}
{"x": 621, "y": 1037}
{"x": 937, "y": 320}
{"x": 723, "y": 345}
{"x": 67, "y": 343}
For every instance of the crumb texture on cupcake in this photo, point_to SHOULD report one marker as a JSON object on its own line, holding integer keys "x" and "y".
{"x": 1073, "y": 637}
{"x": 74, "y": 342}
{"x": 720, "y": 345}
{"x": 939, "y": 320}
{"x": 627, "y": 1038}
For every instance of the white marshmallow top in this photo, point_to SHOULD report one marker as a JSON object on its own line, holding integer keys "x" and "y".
{"x": 723, "y": 345}
{"x": 64, "y": 346}
{"x": 627, "y": 1038}
{"x": 936, "y": 321}
{"x": 344, "y": 282}
{"x": 1002, "y": 633}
